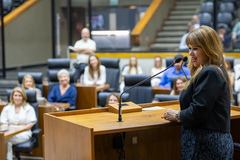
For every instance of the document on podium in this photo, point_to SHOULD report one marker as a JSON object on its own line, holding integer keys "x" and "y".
{"x": 152, "y": 108}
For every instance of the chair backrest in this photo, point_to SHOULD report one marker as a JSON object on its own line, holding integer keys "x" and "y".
{"x": 37, "y": 76}
{"x": 165, "y": 97}
{"x": 58, "y": 63}
{"x": 31, "y": 99}
{"x": 231, "y": 60}
{"x": 207, "y": 7}
{"x": 112, "y": 72}
{"x": 225, "y": 17}
{"x": 139, "y": 94}
{"x": 102, "y": 98}
{"x": 205, "y": 18}
{"x": 226, "y": 7}
{"x": 53, "y": 79}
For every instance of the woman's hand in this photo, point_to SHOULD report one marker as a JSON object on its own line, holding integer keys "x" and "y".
{"x": 170, "y": 115}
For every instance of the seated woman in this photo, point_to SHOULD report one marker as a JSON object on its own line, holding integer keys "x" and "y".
{"x": 64, "y": 93}
{"x": 178, "y": 85}
{"x": 29, "y": 83}
{"x": 112, "y": 99}
{"x": 132, "y": 68}
{"x": 18, "y": 113}
{"x": 94, "y": 73}
{"x": 156, "y": 69}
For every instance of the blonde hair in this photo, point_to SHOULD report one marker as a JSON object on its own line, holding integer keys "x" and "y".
{"x": 24, "y": 79}
{"x": 130, "y": 66}
{"x": 23, "y": 93}
{"x": 90, "y": 68}
{"x": 206, "y": 38}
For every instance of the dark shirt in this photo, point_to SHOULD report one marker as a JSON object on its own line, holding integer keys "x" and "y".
{"x": 206, "y": 101}
{"x": 68, "y": 97}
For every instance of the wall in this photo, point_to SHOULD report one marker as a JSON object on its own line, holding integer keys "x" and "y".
{"x": 28, "y": 38}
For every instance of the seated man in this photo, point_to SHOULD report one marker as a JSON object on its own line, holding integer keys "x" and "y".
{"x": 174, "y": 71}
{"x": 183, "y": 39}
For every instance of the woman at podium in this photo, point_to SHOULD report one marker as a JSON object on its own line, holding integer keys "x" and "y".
{"x": 205, "y": 100}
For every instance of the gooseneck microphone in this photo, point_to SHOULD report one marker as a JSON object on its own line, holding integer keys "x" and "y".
{"x": 138, "y": 84}
{"x": 184, "y": 60}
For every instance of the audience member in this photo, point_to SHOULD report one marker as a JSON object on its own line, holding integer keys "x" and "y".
{"x": 84, "y": 48}
{"x": 174, "y": 71}
{"x": 196, "y": 21}
{"x": 236, "y": 31}
{"x": 178, "y": 85}
{"x": 29, "y": 83}
{"x": 94, "y": 73}
{"x": 63, "y": 93}
{"x": 112, "y": 99}
{"x": 224, "y": 37}
{"x": 158, "y": 67}
{"x": 231, "y": 74}
{"x": 183, "y": 39}
{"x": 18, "y": 113}
{"x": 132, "y": 68}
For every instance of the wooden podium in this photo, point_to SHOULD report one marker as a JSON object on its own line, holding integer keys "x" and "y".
{"x": 93, "y": 134}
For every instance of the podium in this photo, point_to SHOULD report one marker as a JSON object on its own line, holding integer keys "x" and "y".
{"x": 94, "y": 134}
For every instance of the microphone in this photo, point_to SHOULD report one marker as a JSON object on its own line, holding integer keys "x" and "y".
{"x": 184, "y": 60}
{"x": 138, "y": 84}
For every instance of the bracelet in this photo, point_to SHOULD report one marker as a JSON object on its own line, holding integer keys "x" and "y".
{"x": 177, "y": 116}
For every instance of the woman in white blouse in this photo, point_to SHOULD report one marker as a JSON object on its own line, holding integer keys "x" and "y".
{"x": 94, "y": 73}
{"x": 18, "y": 113}
{"x": 132, "y": 68}
{"x": 158, "y": 67}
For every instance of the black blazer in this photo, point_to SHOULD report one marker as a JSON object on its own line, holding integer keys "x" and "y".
{"x": 206, "y": 101}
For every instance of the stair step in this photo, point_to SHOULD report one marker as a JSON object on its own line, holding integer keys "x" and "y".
{"x": 181, "y": 17}
{"x": 195, "y": 3}
{"x": 159, "y": 46}
{"x": 169, "y": 40}
{"x": 181, "y": 12}
{"x": 171, "y": 34}
{"x": 174, "y": 28}
{"x": 188, "y": 7}
{"x": 176, "y": 22}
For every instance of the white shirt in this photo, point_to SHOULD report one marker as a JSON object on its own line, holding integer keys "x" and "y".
{"x": 89, "y": 44}
{"x": 100, "y": 81}
{"x": 155, "y": 70}
{"x": 26, "y": 115}
{"x": 132, "y": 71}
{"x": 183, "y": 42}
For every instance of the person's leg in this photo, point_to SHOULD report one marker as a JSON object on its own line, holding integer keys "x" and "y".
{"x": 79, "y": 70}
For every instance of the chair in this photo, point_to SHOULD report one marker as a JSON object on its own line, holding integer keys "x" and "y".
{"x": 165, "y": 97}
{"x": 205, "y": 18}
{"x": 102, "y": 98}
{"x": 33, "y": 142}
{"x": 37, "y": 76}
{"x": 225, "y": 17}
{"x": 112, "y": 72}
{"x": 231, "y": 60}
{"x": 236, "y": 44}
{"x": 7, "y": 6}
{"x": 139, "y": 94}
{"x": 207, "y": 7}
{"x": 227, "y": 7}
{"x": 17, "y": 3}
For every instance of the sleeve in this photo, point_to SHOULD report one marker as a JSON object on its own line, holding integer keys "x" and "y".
{"x": 86, "y": 77}
{"x": 76, "y": 45}
{"x": 125, "y": 70}
{"x": 39, "y": 93}
{"x": 140, "y": 70}
{"x": 94, "y": 45}
{"x": 52, "y": 96}
{"x": 183, "y": 43}
{"x": 32, "y": 119}
{"x": 102, "y": 78}
{"x": 208, "y": 86}
{"x": 72, "y": 96}
{"x": 236, "y": 28}
{"x": 163, "y": 80}
{"x": 4, "y": 117}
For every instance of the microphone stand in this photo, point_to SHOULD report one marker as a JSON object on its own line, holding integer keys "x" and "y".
{"x": 139, "y": 83}
{"x": 184, "y": 60}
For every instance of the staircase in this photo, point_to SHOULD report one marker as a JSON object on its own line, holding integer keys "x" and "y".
{"x": 168, "y": 39}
